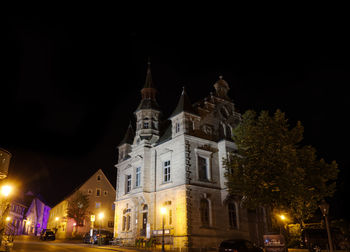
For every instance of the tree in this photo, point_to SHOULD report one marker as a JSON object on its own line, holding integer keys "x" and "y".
{"x": 271, "y": 168}
{"x": 78, "y": 207}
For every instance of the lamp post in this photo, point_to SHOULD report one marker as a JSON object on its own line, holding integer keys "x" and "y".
{"x": 324, "y": 206}
{"x": 163, "y": 211}
{"x": 56, "y": 221}
{"x": 283, "y": 218}
{"x": 100, "y": 216}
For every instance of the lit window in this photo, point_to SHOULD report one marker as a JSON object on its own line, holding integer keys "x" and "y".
{"x": 166, "y": 169}
{"x": 204, "y": 212}
{"x": 203, "y": 168}
{"x": 128, "y": 218}
{"x": 124, "y": 223}
{"x": 98, "y": 192}
{"x": 138, "y": 177}
{"x": 128, "y": 183}
{"x": 232, "y": 214}
{"x": 98, "y": 205}
{"x": 170, "y": 217}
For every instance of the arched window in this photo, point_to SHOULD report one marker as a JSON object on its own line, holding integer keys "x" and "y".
{"x": 126, "y": 219}
{"x": 204, "y": 212}
{"x": 232, "y": 214}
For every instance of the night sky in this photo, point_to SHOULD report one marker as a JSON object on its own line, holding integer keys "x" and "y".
{"x": 71, "y": 83}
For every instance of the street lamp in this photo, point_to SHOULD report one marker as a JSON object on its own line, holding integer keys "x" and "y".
{"x": 283, "y": 219}
{"x": 324, "y": 206}
{"x": 56, "y": 220}
{"x": 163, "y": 212}
{"x": 6, "y": 190}
{"x": 100, "y": 216}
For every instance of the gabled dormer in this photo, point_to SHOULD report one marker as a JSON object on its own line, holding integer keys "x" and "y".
{"x": 184, "y": 119}
{"x": 124, "y": 148}
{"x": 147, "y": 113}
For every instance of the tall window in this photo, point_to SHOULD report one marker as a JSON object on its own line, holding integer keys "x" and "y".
{"x": 97, "y": 204}
{"x": 138, "y": 176}
{"x": 202, "y": 168}
{"x": 167, "y": 171}
{"x": 128, "y": 222}
{"x": 170, "y": 216}
{"x": 145, "y": 125}
{"x": 128, "y": 183}
{"x": 98, "y": 177}
{"x": 98, "y": 192}
{"x": 232, "y": 214}
{"x": 126, "y": 219}
{"x": 177, "y": 127}
{"x": 204, "y": 212}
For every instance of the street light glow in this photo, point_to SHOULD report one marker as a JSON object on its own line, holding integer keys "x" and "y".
{"x": 163, "y": 210}
{"x": 282, "y": 217}
{"x": 101, "y": 216}
{"x": 8, "y": 218}
{"x": 56, "y": 219}
{"x": 6, "y": 190}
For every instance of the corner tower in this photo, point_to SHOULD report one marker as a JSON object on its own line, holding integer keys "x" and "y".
{"x": 147, "y": 113}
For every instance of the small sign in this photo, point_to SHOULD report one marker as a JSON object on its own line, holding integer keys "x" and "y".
{"x": 92, "y": 217}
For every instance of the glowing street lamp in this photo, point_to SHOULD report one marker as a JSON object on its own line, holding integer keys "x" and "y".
{"x": 163, "y": 212}
{"x": 283, "y": 218}
{"x": 8, "y": 218}
{"x": 100, "y": 217}
{"x": 324, "y": 206}
{"x": 6, "y": 190}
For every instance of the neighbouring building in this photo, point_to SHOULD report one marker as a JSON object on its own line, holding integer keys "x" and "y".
{"x": 16, "y": 214}
{"x": 37, "y": 215}
{"x": 101, "y": 200}
{"x": 176, "y": 164}
{"x": 28, "y": 214}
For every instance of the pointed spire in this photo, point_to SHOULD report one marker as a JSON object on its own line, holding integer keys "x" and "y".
{"x": 148, "y": 92}
{"x": 129, "y": 136}
{"x": 184, "y": 104}
{"x": 149, "y": 82}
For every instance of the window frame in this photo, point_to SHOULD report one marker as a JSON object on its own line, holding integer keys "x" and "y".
{"x": 232, "y": 220}
{"x": 207, "y": 155}
{"x": 166, "y": 171}
{"x": 138, "y": 176}
{"x": 205, "y": 215}
{"x": 128, "y": 181}
{"x": 100, "y": 192}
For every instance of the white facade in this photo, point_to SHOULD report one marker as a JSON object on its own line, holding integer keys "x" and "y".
{"x": 180, "y": 168}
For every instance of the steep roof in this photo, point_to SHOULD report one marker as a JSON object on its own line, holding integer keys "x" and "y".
{"x": 184, "y": 105}
{"x": 129, "y": 136}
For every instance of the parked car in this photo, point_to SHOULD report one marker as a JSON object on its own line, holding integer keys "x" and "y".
{"x": 47, "y": 234}
{"x": 105, "y": 235}
{"x": 238, "y": 245}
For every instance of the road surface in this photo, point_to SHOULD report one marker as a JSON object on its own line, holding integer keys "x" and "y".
{"x": 30, "y": 244}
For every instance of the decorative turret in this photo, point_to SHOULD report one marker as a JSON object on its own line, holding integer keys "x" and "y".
{"x": 222, "y": 88}
{"x": 124, "y": 148}
{"x": 148, "y": 112}
{"x": 184, "y": 119}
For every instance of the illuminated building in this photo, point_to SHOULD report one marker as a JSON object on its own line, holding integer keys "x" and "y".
{"x": 177, "y": 164}
{"x": 101, "y": 199}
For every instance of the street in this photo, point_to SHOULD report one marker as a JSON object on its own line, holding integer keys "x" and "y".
{"x": 32, "y": 244}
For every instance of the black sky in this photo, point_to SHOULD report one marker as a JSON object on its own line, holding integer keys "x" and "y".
{"x": 71, "y": 83}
